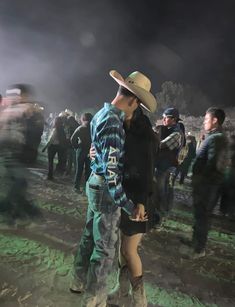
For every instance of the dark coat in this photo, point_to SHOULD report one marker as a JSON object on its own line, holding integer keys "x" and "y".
{"x": 81, "y": 138}
{"x": 141, "y": 145}
{"x": 209, "y": 164}
{"x": 140, "y": 153}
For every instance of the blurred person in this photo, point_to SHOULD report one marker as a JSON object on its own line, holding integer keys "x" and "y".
{"x": 17, "y": 149}
{"x": 72, "y": 125}
{"x": 63, "y": 156}
{"x": 207, "y": 179}
{"x": 81, "y": 141}
{"x": 33, "y": 117}
{"x": 49, "y": 121}
{"x": 55, "y": 145}
{"x": 106, "y": 195}
{"x": 1, "y": 103}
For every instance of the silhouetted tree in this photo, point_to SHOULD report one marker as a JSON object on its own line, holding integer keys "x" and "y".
{"x": 188, "y": 99}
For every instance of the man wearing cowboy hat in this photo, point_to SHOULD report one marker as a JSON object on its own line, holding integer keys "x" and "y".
{"x": 106, "y": 196}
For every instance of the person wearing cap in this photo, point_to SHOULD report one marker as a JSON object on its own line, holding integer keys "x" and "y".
{"x": 106, "y": 196}
{"x": 172, "y": 139}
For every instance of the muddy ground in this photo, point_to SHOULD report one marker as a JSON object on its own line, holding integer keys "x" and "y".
{"x": 36, "y": 257}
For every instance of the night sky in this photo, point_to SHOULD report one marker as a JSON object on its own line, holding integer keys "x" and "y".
{"x": 65, "y": 48}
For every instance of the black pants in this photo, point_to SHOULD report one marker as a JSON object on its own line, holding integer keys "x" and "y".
{"x": 15, "y": 202}
{"x": 82, "y": 160}
{"x": 205, "y": 198}
{"x": 71, "y": 162}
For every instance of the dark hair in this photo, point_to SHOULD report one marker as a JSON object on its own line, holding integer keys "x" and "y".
{"x": 87, "y": 117}
{"x": 59, "y": 126}
{"x": 125, "y": 92}
{"x": 218, "y": 113}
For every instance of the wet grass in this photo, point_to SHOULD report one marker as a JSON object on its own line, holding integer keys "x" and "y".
{"x": 169, "y": 298}
{"x": 34, "y": 254}
{"x": 222, "y": 238}
{"x": 53, "y": 208}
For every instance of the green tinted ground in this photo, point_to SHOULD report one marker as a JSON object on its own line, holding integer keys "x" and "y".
{"x": 36, "y": 260}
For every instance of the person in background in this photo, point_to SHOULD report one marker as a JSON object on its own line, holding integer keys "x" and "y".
{"x": 18, "y": 127}
{"x": 207, "y": 179}
{"x": 106, "y": 195}
{"x": 172, "y": 139}
{"x": 63, "y": 156}
{"x": 33, "y": 119}
{"x": 81, "y": 141}
{"x": 227, "y": 201}
{"x": 1, "y": 103}
{"x": 72, "y": 125}
{"x": 55, "y": 145}
{"x": 189, "y": 153}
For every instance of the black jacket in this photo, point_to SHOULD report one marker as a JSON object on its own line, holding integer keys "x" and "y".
{"x": 140, "y": 152}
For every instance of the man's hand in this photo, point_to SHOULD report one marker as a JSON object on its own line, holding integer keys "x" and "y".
{"x": 92, "y": 152}
{"x": 139, "y": 214}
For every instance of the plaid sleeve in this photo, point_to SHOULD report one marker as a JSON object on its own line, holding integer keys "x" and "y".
{"x": 172, "y": 141}
{"x": 112, "y": 149}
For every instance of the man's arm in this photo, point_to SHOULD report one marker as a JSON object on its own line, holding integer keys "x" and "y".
{"x": 76, "y": 137}
{"x": 172, "y": 141}
{"x": 112, "y": 150}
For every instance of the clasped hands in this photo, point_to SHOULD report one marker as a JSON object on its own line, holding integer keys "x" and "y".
{"x": 139, "y": 214}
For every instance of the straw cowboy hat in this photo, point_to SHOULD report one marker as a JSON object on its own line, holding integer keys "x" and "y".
{"x": 138, "y": 84}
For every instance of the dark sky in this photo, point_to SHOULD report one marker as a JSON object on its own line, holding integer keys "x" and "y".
{"x": 65, "y": 48}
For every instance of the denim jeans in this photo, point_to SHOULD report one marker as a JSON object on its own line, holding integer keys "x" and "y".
{"x": 165, "y": 191}
{"x": 82, "y": 160}
{"x": 205, "y": 198}
{"x": 96, "y": 251}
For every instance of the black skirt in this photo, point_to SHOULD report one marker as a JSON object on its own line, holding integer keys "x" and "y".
{"x": 130, "y": 228}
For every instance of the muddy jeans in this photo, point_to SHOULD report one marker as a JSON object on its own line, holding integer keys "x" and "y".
{"x": 96, "y": 251}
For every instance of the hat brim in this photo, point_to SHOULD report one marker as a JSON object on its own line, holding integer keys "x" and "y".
{"x": 148, "y": 101}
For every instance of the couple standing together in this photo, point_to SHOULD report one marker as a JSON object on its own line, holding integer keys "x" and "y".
{"x": 118, "y": 191}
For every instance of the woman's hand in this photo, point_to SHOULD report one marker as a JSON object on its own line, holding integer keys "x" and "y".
{"x": 92, "y": 152}
{"x": 139, "y": 214}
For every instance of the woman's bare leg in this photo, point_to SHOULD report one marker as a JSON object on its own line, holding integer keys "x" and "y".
{"x": 129, "y": 250}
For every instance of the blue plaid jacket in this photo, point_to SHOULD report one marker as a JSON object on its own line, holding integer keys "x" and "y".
{"x": 108, "y": 137}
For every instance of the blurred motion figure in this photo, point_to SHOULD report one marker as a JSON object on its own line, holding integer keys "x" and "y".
{"x": 21, "y": 126}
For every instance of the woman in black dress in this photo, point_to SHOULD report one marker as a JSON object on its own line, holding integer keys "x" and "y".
{"x": 140, "y": 151}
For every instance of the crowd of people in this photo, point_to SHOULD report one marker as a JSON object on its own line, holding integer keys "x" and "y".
{"x": 128, "y": 169}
